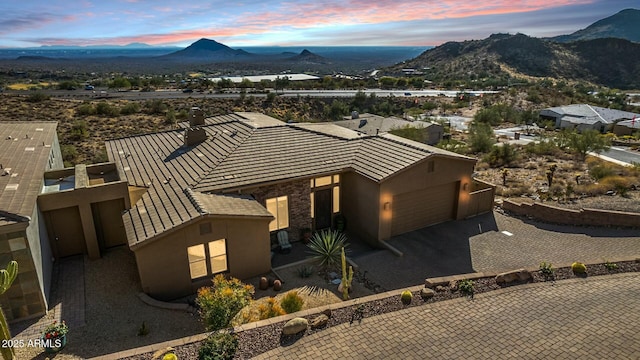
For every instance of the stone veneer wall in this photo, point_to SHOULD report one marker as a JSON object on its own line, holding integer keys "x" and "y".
{"x": 594, "y": 217}
{"x": 298, "y": 192}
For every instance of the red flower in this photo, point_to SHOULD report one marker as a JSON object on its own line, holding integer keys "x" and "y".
{"x": 48, "y": 336}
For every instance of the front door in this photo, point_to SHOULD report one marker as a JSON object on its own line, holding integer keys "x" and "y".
{"x": 323, "y": 208}
{"x": 66, "y": 232}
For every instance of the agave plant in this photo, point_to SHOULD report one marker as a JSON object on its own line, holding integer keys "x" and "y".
{"x": 326, "y": 247}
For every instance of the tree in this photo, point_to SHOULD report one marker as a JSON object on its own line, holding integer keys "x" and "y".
{"x": 119, "y": 83}
{"x": 481, "y": 137}
{"x": 586, "y": 142}
{"x": 281, "y": 83}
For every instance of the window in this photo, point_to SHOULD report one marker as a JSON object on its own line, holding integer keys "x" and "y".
{"x": 313, "y": 205}
{"x": 216, "y": 252}
{"x": 197, "y": 261}
{"x": 218, "y": 256}
{"x": 336, "y": 199}
{"x": 279, "y": 208}
{"x": 323, "y": 181}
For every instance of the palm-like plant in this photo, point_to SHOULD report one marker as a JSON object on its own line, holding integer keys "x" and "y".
{"x": 326, "y": 247}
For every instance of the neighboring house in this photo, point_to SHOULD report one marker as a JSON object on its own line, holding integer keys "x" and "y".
{"x": 209, "y": 195}
{"x": 584, "y": 117}
{"x": 47, "y": 211}
{"x": 27, "y": 150}
{"x": 371, "y": 124}
{"x": 627, "y": 127}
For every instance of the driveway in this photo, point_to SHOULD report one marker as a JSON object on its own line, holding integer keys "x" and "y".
{"x": 483, "y": 244}
{"x": 591, "y": 318}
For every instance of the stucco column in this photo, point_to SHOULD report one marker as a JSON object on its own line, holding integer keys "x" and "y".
{"x": 89, "y": 230}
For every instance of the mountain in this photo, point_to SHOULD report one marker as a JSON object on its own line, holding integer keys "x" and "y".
{"x": 208, "y": 50}
{"x": 609, "y": 62}
{"x": 308, "y": 57}
{"x": 623, "y": 25}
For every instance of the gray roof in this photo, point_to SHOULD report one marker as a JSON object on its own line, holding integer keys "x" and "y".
{"x": 244, "y": 150}
{"x": 372, "y": 124}
{"x": 591, "y": 114}
{"x": 632, "y": 124}
{"x": 25, "y": 147}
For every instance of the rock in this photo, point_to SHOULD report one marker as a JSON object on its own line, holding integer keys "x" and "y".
{"x": 427, "y": 293}
{"x": 264, "y": 283}
{"x": 453, "y": 285}
{"x": 160, "y": 353}
{"x": 295, "y": 325}
{"x": 319, "y": 321}
{"x": 277, "y": 285}
{"x": 441, "y": 288}
{"x": 429, "y": 284}
{"x": 327, "y": 312}
{"x": 511, "y": 276}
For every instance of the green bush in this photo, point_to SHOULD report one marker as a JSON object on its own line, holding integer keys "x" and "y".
{"x": 218, "y": 346}
{"x": 86, "y": 109}
{"x": 600, "y": 172}
{"x": 481, "y": 137}
{"x": 579, "y": 268}
{"x": 466, "y": 287}
{"x": 291, "y": 302}
{"x": 37, "y": 97}
{"x": 546, "y": 270}
{"x": 305, "y": 271}
{"x": 79, "y": 130}
{"x": 326, "y": 247}
{"x": 221, "y": 302}
{"x": 106, "y": 109}
{"x": 406, "y": 297}
{"x": 130, "y": 108}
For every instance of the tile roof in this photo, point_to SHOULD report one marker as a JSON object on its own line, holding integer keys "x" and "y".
{"x": 25, "y": 147}
{"x": 242, "y": 150}
{"x": 371, "y": 124}
{"x": 584, "y": 113}
{"x": 228, "y": 205}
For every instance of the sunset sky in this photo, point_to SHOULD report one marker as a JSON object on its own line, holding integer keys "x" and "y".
{"x": 26, "y": 23}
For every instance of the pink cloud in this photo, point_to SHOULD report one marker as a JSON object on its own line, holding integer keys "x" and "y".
{"x": 311, "y": 14}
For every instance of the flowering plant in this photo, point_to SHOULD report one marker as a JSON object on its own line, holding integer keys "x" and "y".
{"x": 55, "y": 330}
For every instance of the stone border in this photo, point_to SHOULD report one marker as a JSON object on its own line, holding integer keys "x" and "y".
{"x": 582, "y": 217}
{"x": 340, "y": 305}
{"x": 165, "y": 305}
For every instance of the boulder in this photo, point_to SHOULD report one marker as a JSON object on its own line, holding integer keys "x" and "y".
{"x": 429, "y": 284}
{"x": 453, "y": 285}
{"x": 511, "y": 276}
{"x": 441, "y": 288}
{"x": 295, "y": 325}
{"x": 427, "y": 293}
{"x": 319, "y": 321}
{"x": 327, "y": 312}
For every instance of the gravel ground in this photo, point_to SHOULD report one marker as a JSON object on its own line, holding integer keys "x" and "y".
{"x": 259, "y": 340}
{"x": 113, "y": 313}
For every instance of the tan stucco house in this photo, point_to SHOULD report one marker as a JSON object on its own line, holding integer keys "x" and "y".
{"x": 206, "y": 198}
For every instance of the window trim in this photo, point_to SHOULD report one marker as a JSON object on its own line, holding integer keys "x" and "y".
{"x": 279, "y": 219}
{"x": 208, "y": 258}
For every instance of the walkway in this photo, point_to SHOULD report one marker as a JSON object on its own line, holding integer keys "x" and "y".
{"x": 66, "y": 300}
{"x": 592, "y": 318}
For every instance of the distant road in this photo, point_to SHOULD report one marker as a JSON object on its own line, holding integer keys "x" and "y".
{"x": 176, "y": 94}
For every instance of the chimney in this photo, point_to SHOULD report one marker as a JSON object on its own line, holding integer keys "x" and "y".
{"x": 355, "y": 114}
{"x": 196, "y": 117}
{"x": 194, "y": 135}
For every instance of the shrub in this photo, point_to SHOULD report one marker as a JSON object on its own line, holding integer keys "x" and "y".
{"x": 546, "y": 270}
{"x": 37, "y": 97}
{"x": 610, "y": 266}
{"x": 79, "y": 130}
{"x": 600, "y": 172}
{"x": 219, "y": 346}
{"x": 221, "y": 302}
{"x": 130, "y": 108}
{"x": 406, "y": 297}
{"x": 466, "y": 287}
{"x": 326, "y": 247}
{"x": 305, "y": 271}
{"x": 170, "y": 356}
{"x": 291, "y": 302}
{"x": 106, "y": 109}
{"x": 86, "y": 109}
{"x": 618, "y": 183}
{"x": 579, "y": 268}
{"x": 481, "y": 137}
{"x": 270, "y": 309}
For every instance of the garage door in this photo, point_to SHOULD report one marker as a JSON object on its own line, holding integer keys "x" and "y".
{"x": 418, "y": 209}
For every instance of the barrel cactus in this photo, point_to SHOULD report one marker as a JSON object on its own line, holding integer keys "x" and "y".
{"x": 406, "y": 297}
{"x": 579, "y": 268}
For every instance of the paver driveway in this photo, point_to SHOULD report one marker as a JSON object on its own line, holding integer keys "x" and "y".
{"x": 592, "y": 318}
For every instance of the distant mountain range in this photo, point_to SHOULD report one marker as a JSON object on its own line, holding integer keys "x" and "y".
{"x": 623, "y": 25}
{"x": 612, "y": 62}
